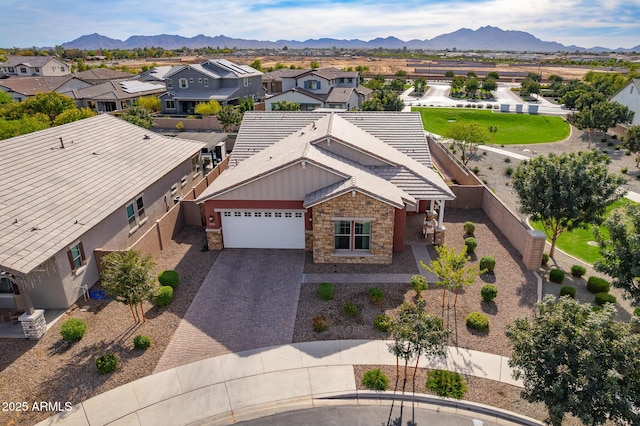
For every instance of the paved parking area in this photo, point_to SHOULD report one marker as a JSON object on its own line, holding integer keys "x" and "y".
{"x": 248, "y": 300}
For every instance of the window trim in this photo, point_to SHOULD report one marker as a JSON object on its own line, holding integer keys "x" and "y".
{"x": 169, "y": 83}
{"x": 352, "y": 234}
{"x": 83, "y": 259}
{"x": 170, "y": 104}
{"x": 183, "y": 83}
{"x": 195, "y": 165}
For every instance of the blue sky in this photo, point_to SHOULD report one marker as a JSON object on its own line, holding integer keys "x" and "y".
{"x": 586, "y": 23}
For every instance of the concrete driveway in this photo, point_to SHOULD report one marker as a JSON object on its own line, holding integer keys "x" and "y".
{"x": 248, "y": 300}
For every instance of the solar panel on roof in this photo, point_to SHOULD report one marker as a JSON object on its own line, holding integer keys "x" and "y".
{"x": 135, "y": 86}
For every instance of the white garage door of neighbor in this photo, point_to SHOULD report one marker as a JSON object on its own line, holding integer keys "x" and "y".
{"x": 263, "y": 229}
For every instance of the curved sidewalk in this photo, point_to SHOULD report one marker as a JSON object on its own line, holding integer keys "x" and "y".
{"x": 256, "y": 383}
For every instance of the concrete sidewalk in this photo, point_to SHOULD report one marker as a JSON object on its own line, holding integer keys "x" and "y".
{"x": 261, "y": 382}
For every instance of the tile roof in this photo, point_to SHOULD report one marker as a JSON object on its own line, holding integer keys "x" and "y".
{"x": 118, "y": 90}
{"x": 30, "y": 86}
{"x": 50, "y": 196}
{"x": 30, "y": 61}
{"x": 103, "y": 74}
{"x": 331, "y": 73}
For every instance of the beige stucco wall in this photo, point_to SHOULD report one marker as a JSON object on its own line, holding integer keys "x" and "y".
{"x": 349, "y": 206}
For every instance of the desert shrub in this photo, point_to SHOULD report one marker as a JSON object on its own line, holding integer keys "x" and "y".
{"x": 320, "y": 323}
{"x": 545, "y": 259}
{"x": 487, "y": 263}
{"x": 180, "y": 126}
{"x": 164, "y": 296}
{"x": 376, "y": 295}
{"x": 489, "y": 292}
{"x": 73, "y": 329}
{"x": 556, "y": 275}
{"x": 475, "y": 170}
{"x": 447, "y": 384}
{"x": 471, "y": 244}
{"x": 636, "y": 312}
{"x": 469, "y": 227}
{"x": 375, "y": 380}
{"x": 506, "y": 160}
{"x": 624, "y": 170}
{"x": 107, "y": 363}
{"x": 325, "y": 291}
{"x": 602, "y": 298}
{"x": 578, "y": 270}
{"x": 477, "y": 321}
{"x": 170, "y": 278}
{"x": 350, "y": 309}
{"x": 382, "y": 322}
{"x": 508, "y": 171}
{"x": 141, "y": 342}
{"x": 419, "y": 283}
{"x": 598, "y": 285}
{"x": 567, "y": 290}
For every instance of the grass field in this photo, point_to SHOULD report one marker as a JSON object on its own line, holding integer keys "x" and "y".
{"x": 512, "y": 128}
{"x": 576, "y": 242}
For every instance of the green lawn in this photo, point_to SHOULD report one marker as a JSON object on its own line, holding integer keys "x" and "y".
{"x": 576, "y": 242}
{"x": 512, "y": 128}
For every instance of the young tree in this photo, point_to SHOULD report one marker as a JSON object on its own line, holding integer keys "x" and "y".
{"x": 50, "y": 104}
{"x": 601, "y": 116}
{"x": 566, "y": 191}
{"x": 138, "y": 116}
{"x": 471, "y": 86}
{"x": 420, "y": 85}
{"x": 631, "y": 141}
{"x": 208, "y": 108}
{"x": 579, "y": 361}
{"x": 489, "y": 85}
{"x": 284, "y": 105}
{"x": 620, "y": 251}
{"x": 467, "y": 137}
{"x": 230, "y": 117}
{"x": 127, "y": 277}
{"x": 256, "y": 65}
{"x": 457, "y": 83}
{"x": 493, "y": 75}
{"x": 150, "y": 103}
{"x": 449, "y": 74}
{"x": 72, "y": 115}
{"x": 246, "y": 104}
{"x": 314, "y": 64}
{"x": 5, "y": 98}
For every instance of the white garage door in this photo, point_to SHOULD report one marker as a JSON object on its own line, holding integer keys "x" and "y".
{"x": 263, "y": 229}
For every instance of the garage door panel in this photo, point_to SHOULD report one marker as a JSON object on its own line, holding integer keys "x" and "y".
{"x": 262, "y": 231}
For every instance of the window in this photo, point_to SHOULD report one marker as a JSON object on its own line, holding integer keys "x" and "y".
{"x": 298, "y": 215}
{"x": 37, "y": 69}
{"x": 131, "y": 216}
{"x": 278, "y": 214}
{"x": 237, "y": 214}
{"x": 183, "y": 181}
{"x": 199, "y": 80}
{"x": 257, "y": 214}
{"x": 227, "y": 214}
{"x": 245, "y": 81}
{"x": 312, "y": 84}
{"x": 171, "y": 104}
{"x": 352, "y": 235}
{"x": 76, "y": 257}
{"x": 247, "y": 214}
{"x": 5, "y": 284}
{"x": 12, "y": 69}
{"x": 174, "y": 189}
{"x": 140, "y": 206}
{"x": 191, "y": 80}
{"x": 195, "y": 164}
{"x": 267, "y": 214}
{"x": 169, "y": 83}
{"x": 62, "y": 69}
{"x": 23, "y": 70}
{"x": 184, "y": 84}
{"x": 206, "y": 82}
{"x": 287, "y": 215}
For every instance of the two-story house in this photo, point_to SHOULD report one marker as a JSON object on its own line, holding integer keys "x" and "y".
{"x": 215, "y": 79}
{"x": 41, "y": 66}
{"x": 629, "y": 96}
{"x": 319, "y": 88}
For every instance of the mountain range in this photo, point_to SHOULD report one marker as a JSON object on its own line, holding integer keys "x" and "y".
{"x": 484, "y": 38}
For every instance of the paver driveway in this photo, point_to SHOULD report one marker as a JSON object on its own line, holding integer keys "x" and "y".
{"x": 248, "y": 300}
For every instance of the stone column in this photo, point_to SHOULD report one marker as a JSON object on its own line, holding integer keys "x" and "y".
{"x": 438, "y": 238}
{"x": 532, "y": 256}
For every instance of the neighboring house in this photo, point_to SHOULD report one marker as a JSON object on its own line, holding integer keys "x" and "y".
{"x": 629, "y": 96}
{"x": 154, "y": 74}
{"x": 101, "y": 75}
{"x": 115, "y": 95}
{"x": 43, "y": 66}
{"x": 97, "y": 183}
{"x": 20, "y": 88}
{"x": 337, "y": 184}
{"x": 216, "y": 79}
{"x": 320, "y": 88}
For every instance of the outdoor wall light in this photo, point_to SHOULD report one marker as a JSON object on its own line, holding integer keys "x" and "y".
{"x": 211, "y": 219}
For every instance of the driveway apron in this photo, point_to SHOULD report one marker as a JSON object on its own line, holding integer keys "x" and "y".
{"x": 248, "y": 300}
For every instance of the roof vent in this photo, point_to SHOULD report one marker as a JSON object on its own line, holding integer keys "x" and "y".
{"x": 61, "y": 143}
{"x": 146, "y": 137}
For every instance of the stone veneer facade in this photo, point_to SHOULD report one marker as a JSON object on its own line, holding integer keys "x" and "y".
{"x": 214, "y": 239}
{"x": 352, "y": 207}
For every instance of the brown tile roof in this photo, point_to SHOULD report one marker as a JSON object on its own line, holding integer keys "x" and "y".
{"x": 30, "y": 86}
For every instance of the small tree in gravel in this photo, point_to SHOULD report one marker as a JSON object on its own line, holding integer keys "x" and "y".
{"x": 126, "y": 276}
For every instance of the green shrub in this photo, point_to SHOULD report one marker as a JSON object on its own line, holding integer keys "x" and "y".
{"x": 475, "y": 170}
{"x": 567, "y": 290}
{"x": 170, "y": 278}
{"x": 325, "y": 291}
{"x": 350, "y": 309}
{"x": 602, "y": 298}
{"x": 376, "y": 295}
{"x": 556, "y": 275}
{"x": 508, "y": 171}
{"x": 487, "y": 263}
{"x": 419, "y": 283}
{"x": 489, "y": 292}
{"x": 375, "y": 380}
{"x": 164, "y": 296}
{"x": 578, "y": 270}
{"x": 506, "y": 160}
{"x": 477, "y": 321}
{"x": 624, "y": 170}
{"x": 471, "y": 244}
{"x": 320, "y": 323}
{"x": 598, "y": 285}
{"x": 107, "y": 363}
{"x": 382, "y": 322}
{"x": 446, "y": 384}
{"x": 141, "y": 342}
{"x": 636, "y": 312}
{"x": 469, "y": 227}
{"x": 73, "y": 329}
{"x": 545, "y": 259}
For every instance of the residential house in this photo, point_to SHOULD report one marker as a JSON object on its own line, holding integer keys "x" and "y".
{"x": 97, "y": 183}
{"x": 215, "y": 79}
{"x": 319, "y": 88}
{"x": 102, "y": 75}
{"x": 42, "y": 66}
{"x": 629, "y": 95}
{"x": 20, "y": 88}
{"x": 338, "y": 184}
{"x": 154, "y": 74}
{"x": 115, "y": 95}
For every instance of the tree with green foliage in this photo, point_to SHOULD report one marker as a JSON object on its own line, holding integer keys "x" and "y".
{"x": 420, "y": 85}
{"x": 72, "y": 115}
{"x": 285, "y": 105}
{"x": 373, "y": 104}
{"x": 5, "y": 98}
{"x": 150, "y": 103}
{"x": 489, "y": 85}
{"x": 472, "y": 74}
{"x": 620, "y": 250}
{"x": 631, "y": 141}
{"x": 256, "y": 65}
{"x": 138, "y": 116}
{"x": 471, "y": 86}
{"x": 493, "y": 75}
{"x": 457, "y": 83}
{"x": 416, "y": 333}
{"x": 246, "y": 104}
{"x": 208, "y": 108}
{"x": 23, "y": 125}
{"x": 397, "y": 84}
{"x": 50, "y": 104}
{"x": 566, "y": 191}
{"x": 401, "y": 73}
{"x": 391, "y": 101}
{"x": 127, "y": 277}
{"x": 601, "y": 116}
{"x": 314, "y": 64}
{"x": 466, "y": 137}
{"x": 452, "y": 270}
{"x": 230, "y": 118}
{"x": 529, "y": 87}
{"x": 449, "y": 74}
{"x": 579, "y": 361}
